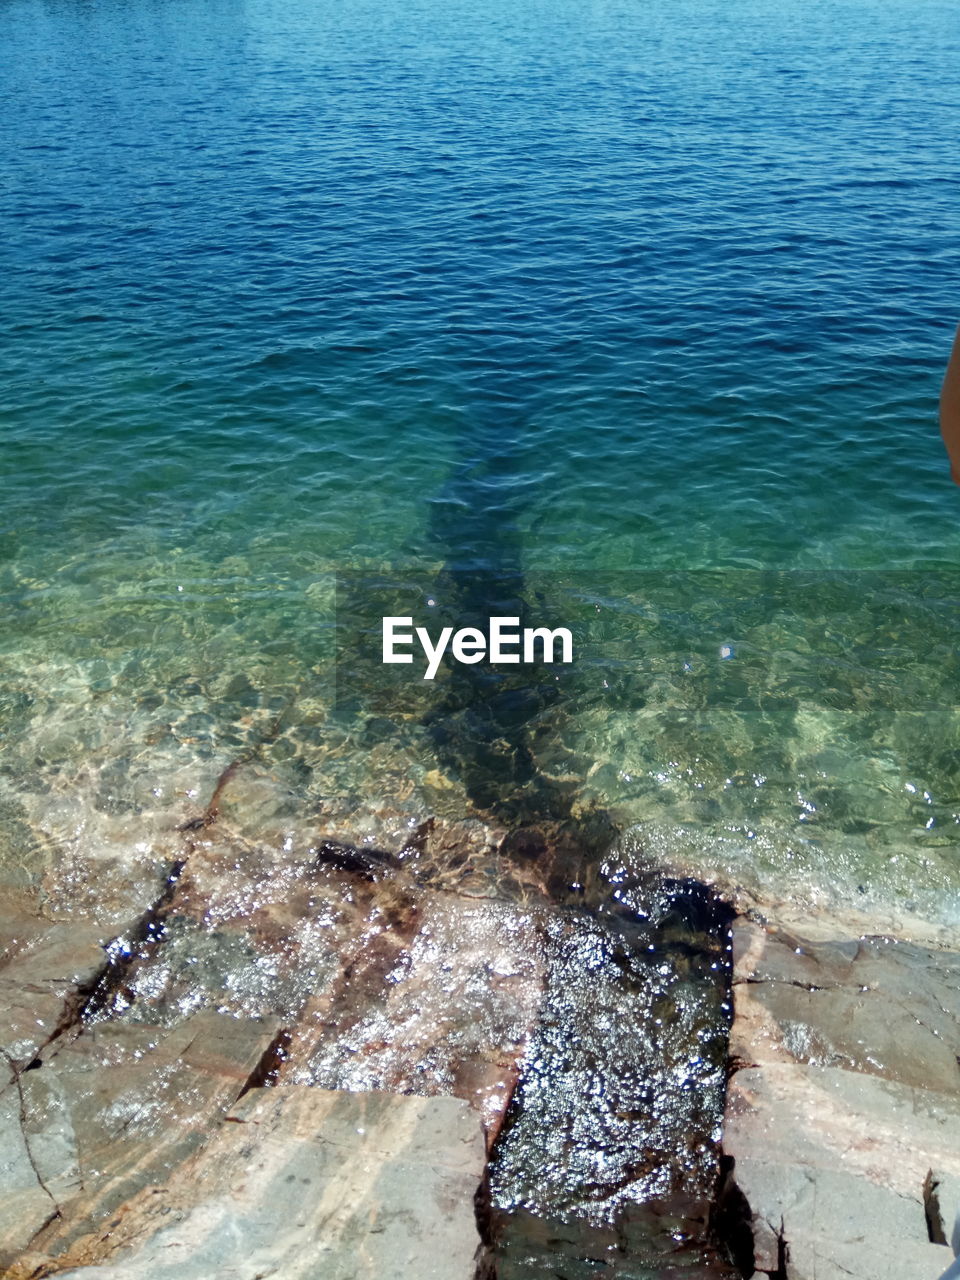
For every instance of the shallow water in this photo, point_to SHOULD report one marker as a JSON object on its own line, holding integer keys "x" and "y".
{"x": 291, "y": 290}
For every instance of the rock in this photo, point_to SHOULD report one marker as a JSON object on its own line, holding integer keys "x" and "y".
{"x": 845, "y": 1096}
{"x": 119, "y": 1109}
{"x": 379, "y": 984}
{"x": 835, "y": 1154}
{"x": 814, "y": 1258}
{"x": 311, "y": 1184}
{"x": 43, "y": 965}
{"x": 388, "y": 968}
{"x": 942, "y": 1198}
{"x": 870, "y": 1004}
{"x": 250, "y": 967}
{"x": 26, "y": 1205}
{"x": 447, "y": 1011}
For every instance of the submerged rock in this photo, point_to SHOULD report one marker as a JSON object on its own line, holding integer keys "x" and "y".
{"x": 254, "y": 967}
{"x": 609, "y": 1156}
{"x": 577, "y": 1011}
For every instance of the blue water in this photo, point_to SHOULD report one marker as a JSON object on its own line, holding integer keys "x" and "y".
{"x": 292, "y": 288}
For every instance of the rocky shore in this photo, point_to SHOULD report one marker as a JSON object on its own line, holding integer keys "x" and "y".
{"x": 245, "y": 1061}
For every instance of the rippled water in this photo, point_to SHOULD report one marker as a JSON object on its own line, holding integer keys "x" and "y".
{"x": 290, "y": 288}
{"x": 634, "y": 315}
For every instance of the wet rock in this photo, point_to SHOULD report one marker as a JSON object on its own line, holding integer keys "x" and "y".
{"x": 311, "y": 1185}
{"x": 418, "y": 967}
{"x": 26, "y": 1204}
{"x": 119, "y": 1109}
{"x": 443, "y": 1005}
{"x": 44, "y": 967}
{"x": 608, "y": 1158}
{"x": 620, "y": 1099}
{"x": 248, "y": 962}
{"x": 379, "y": 982}
{"x": 633, "y": 1248}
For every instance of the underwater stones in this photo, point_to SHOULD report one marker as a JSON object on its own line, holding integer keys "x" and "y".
{"x": 845, "y": 1094}
{"x": 310, "y": 1184}
{"x": 377, "y": 981}
{"x": 310, "y": 972}
{"x": 621, "y": 1093}
{"x": 381, "y": 983}
{"x": 644, "y": 1243}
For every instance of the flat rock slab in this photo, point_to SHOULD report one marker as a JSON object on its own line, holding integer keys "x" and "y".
{"x": 115, "y": 1111}
{"x": 26, "y": 1205}
{"x": 43, "y": 964}
{"x": 870, "y": 1004}
{"x": 313, "y": 1184}
{"x": 819, "y": 1258}
{"x": 846, "y": 1097}
{"x": 838, "y": 1154}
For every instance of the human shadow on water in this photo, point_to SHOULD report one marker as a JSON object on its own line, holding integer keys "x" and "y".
{"x": 491, "y": 724}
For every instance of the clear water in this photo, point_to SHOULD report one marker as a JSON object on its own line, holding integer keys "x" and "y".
{"x": 645, "y": 300}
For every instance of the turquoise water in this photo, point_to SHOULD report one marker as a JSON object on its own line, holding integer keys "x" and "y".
{"x": 627, "y": 306}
